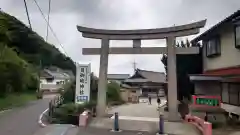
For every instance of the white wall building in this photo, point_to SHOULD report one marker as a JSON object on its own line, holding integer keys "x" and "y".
{"x": 53, "y": 80}
{"x": 221, "y": 64}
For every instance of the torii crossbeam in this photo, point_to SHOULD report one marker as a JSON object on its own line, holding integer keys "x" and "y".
{"x": 169, "y": 33}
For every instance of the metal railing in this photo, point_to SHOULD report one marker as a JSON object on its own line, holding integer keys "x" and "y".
{"x": 53, "y": 104}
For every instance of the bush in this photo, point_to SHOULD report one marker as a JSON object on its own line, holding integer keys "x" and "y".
{"x": 15, "y": 73}
{"x": 33, "y": 83}
{"x": 166, "y": 109}
{"x": 90, "y": 105}
{"x": 13, "y": 77}
{"x": 67, "y": 114}
{"x": 113, "y": 92}
{"x": 68, "y": 92}
{"x": 39, "y": 94}
{"x": 115, "y": 103}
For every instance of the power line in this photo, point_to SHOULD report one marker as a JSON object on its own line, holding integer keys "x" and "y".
{"x": 48, "y": 25}
{"x": 49, "y": 9}
{"x": 27, "y": 14}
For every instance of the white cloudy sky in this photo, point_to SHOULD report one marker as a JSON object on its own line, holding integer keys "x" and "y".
{"x": 117, "y": 14}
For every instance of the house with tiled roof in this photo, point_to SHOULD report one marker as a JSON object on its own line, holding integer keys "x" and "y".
{"x": 143, "y": 83}
{"x": 118, "y": 78}
{"x": 221, "y": 63}
{"x": 53, "y": 80}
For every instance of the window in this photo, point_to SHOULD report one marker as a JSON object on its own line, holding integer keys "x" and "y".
{"x": 213, "y": 47}
{"x": 49, "y": 80}
{"x": 231, "y": 94}
{"x": 133, "y": 91}
{"x": 225, "y": 94}
{"x": 237, "y": 36}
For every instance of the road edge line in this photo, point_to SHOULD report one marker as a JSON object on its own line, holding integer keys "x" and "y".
{"x": 40, "y": 118}
{"x": 2, "y": 111}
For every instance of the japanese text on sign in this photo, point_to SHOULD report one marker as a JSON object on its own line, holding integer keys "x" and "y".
{"x": 82, "y": 83}
{"x": 82, "y": 80}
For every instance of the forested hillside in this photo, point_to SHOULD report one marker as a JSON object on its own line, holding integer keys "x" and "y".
{"x": 22, "y": 54}
{"x": 29, "y": 45}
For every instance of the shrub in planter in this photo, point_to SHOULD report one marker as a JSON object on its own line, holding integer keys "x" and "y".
{"x": 114, "y": 103}
{"x": 166, "y": 109}
{"x": 68, "y": 93}
{"x": 39, "y": 94}
{"x": 67, "y": 114}
{"x": 90, "y": 105}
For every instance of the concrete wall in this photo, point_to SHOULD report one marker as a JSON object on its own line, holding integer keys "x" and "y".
{"x": 130, "y": 93}
{"x": 52, "y": 85}
{"x": 54, "y": 81}
{"x": 229, "y": 54}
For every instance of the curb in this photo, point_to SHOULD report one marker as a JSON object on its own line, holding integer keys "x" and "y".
{"x": 2, "y": 111}
{"x": 40, "y": 118}
{"x": 44, "y": 125}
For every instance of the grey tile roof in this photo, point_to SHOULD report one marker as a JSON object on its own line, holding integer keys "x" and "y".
{"x": 230, "y": 18}
{"x": 129, "y": 87}
{"x": 118, "y": 76}
{"x": 148, "y": 76}
{"x": 153, "y": 76}
{"x": 57, "y": 74}
{"x": 44, "y": 74}
{"x": 70, "y": 73}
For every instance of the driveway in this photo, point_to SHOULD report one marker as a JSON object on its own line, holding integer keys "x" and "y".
{"x": 22, "y": 120}
{"x": 142, "y": 109}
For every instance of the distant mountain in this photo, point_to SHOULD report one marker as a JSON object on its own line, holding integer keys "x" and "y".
{"x": 30, "y": 46}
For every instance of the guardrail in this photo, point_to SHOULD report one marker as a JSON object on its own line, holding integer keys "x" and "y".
{"x": 204, "y": 126}
{"x": 53, "y": 104}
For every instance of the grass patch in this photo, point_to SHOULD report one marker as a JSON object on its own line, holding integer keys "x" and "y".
{"x": 13, "y": 100}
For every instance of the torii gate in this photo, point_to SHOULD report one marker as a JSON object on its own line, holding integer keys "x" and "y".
{"x": 168, "y": 33}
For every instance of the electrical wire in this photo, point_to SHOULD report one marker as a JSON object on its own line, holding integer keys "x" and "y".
{"x": 48, "y": 25}
{"x": 49, "y": 10}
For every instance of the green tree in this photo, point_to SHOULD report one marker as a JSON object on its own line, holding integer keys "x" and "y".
{"x": 182, "y": 44}
{"x": 14, "y": 72}
{"x": 188, "y": 44}
{"x": 113, "y": 92}
{"x": 30, "y": 46}
{"x": 93, "y": 87}
{"x": 69, "y": 92}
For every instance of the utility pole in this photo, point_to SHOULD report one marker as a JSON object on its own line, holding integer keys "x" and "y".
{"x": 39, "y": 72}
{"x": 27, "y": 14}
{"x": 134, "y": 66}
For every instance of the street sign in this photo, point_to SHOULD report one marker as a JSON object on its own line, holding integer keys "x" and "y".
{"x": 206, "y": 101}
{"x": 82, "y": 92}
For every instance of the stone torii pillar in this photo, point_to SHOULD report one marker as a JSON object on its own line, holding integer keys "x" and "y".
{"x": 169, "y": 33}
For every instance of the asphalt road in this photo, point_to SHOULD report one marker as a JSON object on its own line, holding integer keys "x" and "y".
{"x": 22, "y": 120}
